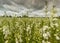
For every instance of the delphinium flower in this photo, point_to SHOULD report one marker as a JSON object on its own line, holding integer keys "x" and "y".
{"x": 16, "y": 40}
{"x": 6, "y": 32}
{"x": 6, "y": 41}
{"x": 57, "y": 37}
{"x": 56, "y": 24}
{"x": 53, "y": 12}
{"x": 46, "y": 33}
{"x": 20, "y": 39}
{"x": 1, "y": 35}
{"x": 48, "y": 42}
{"x": 54, "y": 28}
{"x": 45, "y": 28}
{"x": 28, "y": 28}
{"x": 43, "y": 41}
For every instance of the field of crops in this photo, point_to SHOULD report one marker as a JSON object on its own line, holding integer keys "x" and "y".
{"x": 29, "y": 30}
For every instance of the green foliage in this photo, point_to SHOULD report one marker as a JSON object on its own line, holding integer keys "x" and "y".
{"x": 29, "y": 30}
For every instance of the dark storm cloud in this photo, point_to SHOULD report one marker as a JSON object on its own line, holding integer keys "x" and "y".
{"x": 37, "y": 4}
{"x": 27, "y": 3}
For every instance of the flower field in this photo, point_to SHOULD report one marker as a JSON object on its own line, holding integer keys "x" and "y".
{"x": 29, "y": 30}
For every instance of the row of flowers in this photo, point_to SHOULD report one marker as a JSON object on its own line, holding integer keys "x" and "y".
{"x": 29, "y": 30}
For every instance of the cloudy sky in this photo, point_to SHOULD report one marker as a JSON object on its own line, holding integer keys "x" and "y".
{"x": 19, "y": 5}
{"x": 37, "y": 4}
